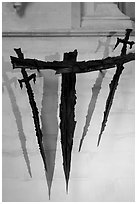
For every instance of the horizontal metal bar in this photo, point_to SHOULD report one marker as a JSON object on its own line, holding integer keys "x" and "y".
{"x": 75, "y": 67}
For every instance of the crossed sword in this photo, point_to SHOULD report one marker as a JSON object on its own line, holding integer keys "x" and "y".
{"x": 26, "y": 79}
{"x": 114, "y": 83}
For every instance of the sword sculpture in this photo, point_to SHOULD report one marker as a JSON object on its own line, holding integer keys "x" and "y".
{"x": 67, "y": 114}
{"x": 72, "y": 67}
{"x": 32, "y": 102}
{"x": 68, "y": 68}
{"x": 114, "y": 83}
{"x": 97, "y": 87}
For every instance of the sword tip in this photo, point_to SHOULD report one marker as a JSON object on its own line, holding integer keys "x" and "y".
{"x": 80, "y": 145}
{"x": 67, "y": 188}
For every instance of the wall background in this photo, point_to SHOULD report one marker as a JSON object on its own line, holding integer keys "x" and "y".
{"x": 98, "y": 174}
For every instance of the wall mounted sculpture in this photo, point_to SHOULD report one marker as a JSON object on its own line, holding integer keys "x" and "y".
{"x": 68, "y": 68}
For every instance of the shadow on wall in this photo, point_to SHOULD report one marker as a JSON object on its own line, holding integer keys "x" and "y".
{"x": 22, "y": 138}
{"x": 97, "y": 86}
{"x": 49, "y": 118}
{"x": 20, "y": 7}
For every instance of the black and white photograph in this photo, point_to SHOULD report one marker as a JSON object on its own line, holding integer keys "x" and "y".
{"x": 68, "y": 101}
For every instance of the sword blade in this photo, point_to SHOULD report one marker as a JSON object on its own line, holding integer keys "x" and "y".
{"x": 67, "y": 115}
{"x": 67, "y": 125}
{"x": 113, "y": 86}
{"x": 36, "y": 121}
{"x": 34, "y": 109}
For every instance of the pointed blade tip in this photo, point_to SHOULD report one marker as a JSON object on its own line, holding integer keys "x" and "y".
{"x": 80, "y": 145}
{"x": 67, "y": 188}
{"x": 30, "y": 174}
{"x": 49, "y": 194}
{"x": 99, "y": 140}
{"x": 79, "y": 148}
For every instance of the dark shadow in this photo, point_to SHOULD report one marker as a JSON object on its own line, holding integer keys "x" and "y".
{"x": 22, "y": 138}
{"x": 97, "y": 86}
{"x": 49, "y": 118}
{"x": 20, "y": 9}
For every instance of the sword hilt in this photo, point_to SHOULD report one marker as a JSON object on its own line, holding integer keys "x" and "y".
{"x": 21, "y": 81}
{"x": 117, "y": 43}
{"x": 131, "y": 44}
{"x": 128, "y": 31}
{"x": 26, "y": 77}
{"x": 19, "y": 53}
{"x": 125, "y": 40}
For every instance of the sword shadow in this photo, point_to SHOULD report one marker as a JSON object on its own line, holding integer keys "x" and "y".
{"x": 97, "y": 86}
{"x": 49, "y": 119}
{"x": 17, "y": 115}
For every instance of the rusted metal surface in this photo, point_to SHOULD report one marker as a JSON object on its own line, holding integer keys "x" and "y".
{"x": 26, "y": 79}
{"x": 75, "y": 67}
{"x": 67, "y": 115}
{"x": 114, "y": 83}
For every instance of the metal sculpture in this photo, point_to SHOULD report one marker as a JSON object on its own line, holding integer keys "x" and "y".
{"x": 114, "y": 83}
{"x": 32, "y": 102}
{"x": 97, "y": 87}
{"x": 68, "y": 69}
{"x": 67, "y": 114}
